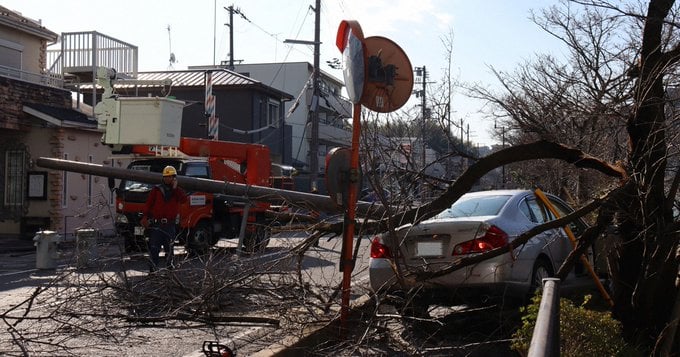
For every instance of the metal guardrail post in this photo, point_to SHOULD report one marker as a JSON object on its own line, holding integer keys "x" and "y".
{"x": 546, "y": 338}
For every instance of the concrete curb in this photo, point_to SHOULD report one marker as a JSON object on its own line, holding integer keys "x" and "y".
{"x": 281, "y": 348}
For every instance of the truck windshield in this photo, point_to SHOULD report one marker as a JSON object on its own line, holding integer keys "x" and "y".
{"x": 138, "y": 186}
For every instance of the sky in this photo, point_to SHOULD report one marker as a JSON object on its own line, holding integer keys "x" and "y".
{"x": 495, "y": 33}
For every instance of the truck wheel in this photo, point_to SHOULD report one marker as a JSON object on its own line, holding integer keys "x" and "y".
{"x": 257, "y": 240}
{"x": 199, "y": 240}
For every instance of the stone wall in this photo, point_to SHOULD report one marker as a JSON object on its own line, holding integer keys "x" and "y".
{"x": 14, "y": 93}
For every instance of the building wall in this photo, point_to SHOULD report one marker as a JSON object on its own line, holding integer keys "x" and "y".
{"x": 15, "y": 129}
{"x": 33, "y": 48}
{"x": 290, "y": 78}
{"x": 86, "y": 201}
{"x": 41, "y": 140}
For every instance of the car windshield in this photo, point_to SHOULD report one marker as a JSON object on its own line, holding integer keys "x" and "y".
{"x": 475, "y": 206}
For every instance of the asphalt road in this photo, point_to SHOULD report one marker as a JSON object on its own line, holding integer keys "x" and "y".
{"x": 19, "y": 278}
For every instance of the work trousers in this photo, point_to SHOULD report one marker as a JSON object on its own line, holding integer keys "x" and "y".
{"x": 161, "y": 235}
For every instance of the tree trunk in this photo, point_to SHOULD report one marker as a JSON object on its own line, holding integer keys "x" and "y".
{"x": 645, "y": 268}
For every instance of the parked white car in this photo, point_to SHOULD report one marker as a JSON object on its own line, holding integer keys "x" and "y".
{"x": 477, "y": 222}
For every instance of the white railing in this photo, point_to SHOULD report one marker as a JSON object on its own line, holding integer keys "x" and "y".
{"x": 90, "y": 50}
{"x": 51, "y": 79}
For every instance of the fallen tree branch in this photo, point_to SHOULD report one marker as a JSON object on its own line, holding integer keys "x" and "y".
{"x": 534, "y": 151}
{"x": 205, "y": 319}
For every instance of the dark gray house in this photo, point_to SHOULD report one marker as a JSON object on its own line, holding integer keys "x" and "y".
{"x": 248, "y": 111}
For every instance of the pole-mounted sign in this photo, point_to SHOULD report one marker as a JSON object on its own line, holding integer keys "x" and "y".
{"x": 377, "y": 75}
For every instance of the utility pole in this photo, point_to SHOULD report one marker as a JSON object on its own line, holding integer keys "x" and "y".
{"x": 422, "y": 73}
{"x": 231, "y": 37}
{"x": 314, "y": 142}
{"x": 468, "y": 135}
{"x": 424, "y": 114}
{"x": 314, "y": 105}
{"x": 503, "y": 147}
{"x": 233, "y": 11}
{"x": 214, "y": 31}
{"x": 503, "y": 181}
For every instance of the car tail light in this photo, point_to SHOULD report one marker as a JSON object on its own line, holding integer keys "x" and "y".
{"x": 379, "y": 250}
{"x": 488, "y": 238}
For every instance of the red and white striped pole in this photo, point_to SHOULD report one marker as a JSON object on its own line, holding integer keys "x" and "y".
{"x": 213, "y": 121}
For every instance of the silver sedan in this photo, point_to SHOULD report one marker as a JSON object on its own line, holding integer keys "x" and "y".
{"x": 477, "y": 222}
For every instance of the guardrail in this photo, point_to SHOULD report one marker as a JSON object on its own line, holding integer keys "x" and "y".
{"x": 546, "y": 338}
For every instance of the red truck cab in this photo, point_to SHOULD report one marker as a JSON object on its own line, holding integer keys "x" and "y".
{"x": 205, "y": 217}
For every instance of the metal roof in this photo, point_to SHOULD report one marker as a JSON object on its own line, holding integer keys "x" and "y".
{"x": 191, "y": 78}
{"x": 196, "y": 78}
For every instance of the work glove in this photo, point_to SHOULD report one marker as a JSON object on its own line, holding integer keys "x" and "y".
{"x": 174, "y": 183}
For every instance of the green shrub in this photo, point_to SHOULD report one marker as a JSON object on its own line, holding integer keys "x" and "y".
{"x": 583, "y": 332}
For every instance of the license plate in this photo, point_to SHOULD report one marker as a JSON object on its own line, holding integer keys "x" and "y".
{"x": 429, "y": 249}
{"x": 139, "y": 231}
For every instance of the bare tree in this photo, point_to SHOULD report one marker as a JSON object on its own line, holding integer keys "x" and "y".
{"x": 621, "y": 63}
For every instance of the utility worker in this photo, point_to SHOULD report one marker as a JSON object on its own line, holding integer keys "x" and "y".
{"x": 160, "y": 213}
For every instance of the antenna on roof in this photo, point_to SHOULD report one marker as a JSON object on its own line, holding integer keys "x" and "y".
{"x": 172, "y": 59}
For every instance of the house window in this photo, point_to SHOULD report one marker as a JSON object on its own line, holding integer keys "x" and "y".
{"x": 14, "y": 178}
{"x": 273, "y": 113}
{"x": 10, "y": 54}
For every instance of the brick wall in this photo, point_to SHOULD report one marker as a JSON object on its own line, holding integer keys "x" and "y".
{"x": 13, "y": 93}
{"x": 56, "y": 181}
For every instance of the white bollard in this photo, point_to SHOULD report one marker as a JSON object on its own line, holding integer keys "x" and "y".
{"x": 46, "y": 254}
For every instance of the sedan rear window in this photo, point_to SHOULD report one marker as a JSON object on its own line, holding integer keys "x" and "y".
{"x": 475, "y": 206}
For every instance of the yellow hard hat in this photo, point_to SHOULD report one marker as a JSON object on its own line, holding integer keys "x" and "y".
{"x": 169, "y": 171}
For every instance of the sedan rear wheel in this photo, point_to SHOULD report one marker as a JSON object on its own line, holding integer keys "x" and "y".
{"x": 542, "y": 269}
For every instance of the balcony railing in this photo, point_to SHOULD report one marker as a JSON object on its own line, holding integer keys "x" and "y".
{"x": 52, "y": 79}
{"x": 85, "y": 51}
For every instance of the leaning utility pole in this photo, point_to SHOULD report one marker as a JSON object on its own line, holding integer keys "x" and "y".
{"x": 310, "y": 201}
